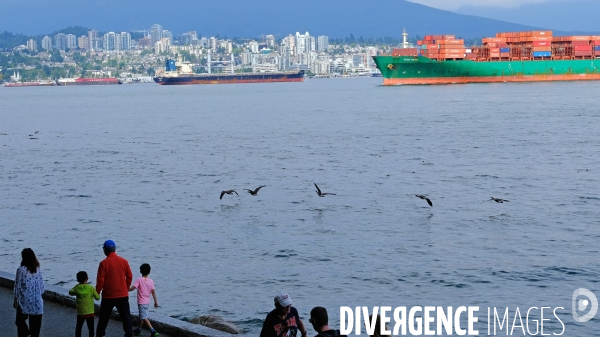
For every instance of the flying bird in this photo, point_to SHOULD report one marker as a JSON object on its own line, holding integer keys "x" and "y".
{"x": 228, "y": 192}
{"x": 424, "y": 198}
{"x": 320, "y": 193}
{"x": 498, "y": 200}
{"x": 255, "y": 192}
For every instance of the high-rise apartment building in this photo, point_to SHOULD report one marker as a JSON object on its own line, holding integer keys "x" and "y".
{"x": 46, "y": 43}
{"x": 111, "y": 42}
{"x": 322, "y": 43}
{"x": 71, "y": 41}
{"x": 125, "y": 41}
{"x": 60, "y": 41}
{"x": 95, "y": 40}
{"x": 270, "y": 40}
{"x": 83, "y": 42}
{"x": 156, "y": 32}
{"x": 32, "y": 44}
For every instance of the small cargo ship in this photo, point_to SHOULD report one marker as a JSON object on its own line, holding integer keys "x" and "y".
{"x": 88, "y": 81}
{"x": 30, "y": 84}
{"x": 532, "y": 56}
{"x": 180, "y": 72}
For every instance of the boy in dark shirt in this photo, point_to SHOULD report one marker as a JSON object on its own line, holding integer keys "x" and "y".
{"x": 283, "y": 321}
{"x": 320, "y": 322}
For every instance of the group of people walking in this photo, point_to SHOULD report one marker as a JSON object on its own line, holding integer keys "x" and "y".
{"x": 113, "y": 282}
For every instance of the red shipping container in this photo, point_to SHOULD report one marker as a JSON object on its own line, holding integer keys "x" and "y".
{"x": 504, "y": 54}
{"x": 495, "y": 55}
{"x": 428, "y": 37}
{"x": 582, "y": 48}
{"x": 542, "y": 43}
{"x": 596, "y": 42}
{"x": 580, "y": 43}
{"x": 494, "y": 50}
{"x": 432, "y": 47}
{"x": 541, "y": 48}
{"x": 449, "y": 37}
{"x": 583, "y": 53}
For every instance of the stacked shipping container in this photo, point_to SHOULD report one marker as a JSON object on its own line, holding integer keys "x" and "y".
{"x": 532, "y": 45}
{"x": 442, "y": 47}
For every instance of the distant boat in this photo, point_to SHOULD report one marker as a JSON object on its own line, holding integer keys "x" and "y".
{"x": 88, "y": 81}
{"x": 30, "y": 84}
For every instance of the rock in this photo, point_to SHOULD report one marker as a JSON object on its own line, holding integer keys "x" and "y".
{"x": 217, "y": 323}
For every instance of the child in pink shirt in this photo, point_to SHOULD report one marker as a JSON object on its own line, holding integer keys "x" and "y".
{"x": 145, "y": 287}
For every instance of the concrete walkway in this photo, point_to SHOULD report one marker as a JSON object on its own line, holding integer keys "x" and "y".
{"x": 57, "y": 321}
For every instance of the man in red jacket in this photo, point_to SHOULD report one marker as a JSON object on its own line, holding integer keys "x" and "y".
{"x": 113, "y": 282}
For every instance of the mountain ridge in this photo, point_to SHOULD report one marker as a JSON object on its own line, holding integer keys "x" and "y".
{"x": 336, "y": 18}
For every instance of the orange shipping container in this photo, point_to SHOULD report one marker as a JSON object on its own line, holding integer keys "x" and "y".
{"x": 541, "y": 38}
{"x": 453, "y": 51}
{"x": 495, "y": 55}
{"x": 451, "y": 56}
{"x": 542, "y": 43}
{"x": 541, "y": 33}
{"x": 450, "y": 42}
{"x": 582, "y": 48}
{"x": 493, "y": 39}
{"x": 580, "y": 38}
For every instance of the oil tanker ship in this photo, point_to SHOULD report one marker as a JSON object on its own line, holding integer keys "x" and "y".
{"x": 180, "y": 72}
{"x": 508, "y": 57}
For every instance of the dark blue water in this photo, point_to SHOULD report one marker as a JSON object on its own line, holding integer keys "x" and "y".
{"x": 144, "y": 165}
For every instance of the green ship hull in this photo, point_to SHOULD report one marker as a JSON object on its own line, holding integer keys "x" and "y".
{"x": 422, "y": 70}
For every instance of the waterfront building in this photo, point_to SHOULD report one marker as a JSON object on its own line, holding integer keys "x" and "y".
{"x": 83, "y": 42}
{"x": 246, "y": 57}
{"x": 32, "y": 44}
{"x": 289, "y": 42}
{"x": 46, "y": 43}
{"x": 71, "y": 41}
{"x": 322, "y": 43}
{"x": 321, "y": 65}
{"x": 60, "y": 41}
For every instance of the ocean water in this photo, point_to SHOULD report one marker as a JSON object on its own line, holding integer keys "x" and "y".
{"x": 144, "y": 165}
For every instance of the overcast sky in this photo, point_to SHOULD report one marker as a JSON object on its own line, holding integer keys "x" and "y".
{"x": 455, "y": 4}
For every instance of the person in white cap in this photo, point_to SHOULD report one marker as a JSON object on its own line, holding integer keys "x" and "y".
{"x": 283, "y": 321}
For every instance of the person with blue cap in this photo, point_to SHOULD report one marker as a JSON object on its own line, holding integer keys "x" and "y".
{"x": 112, "y": 282}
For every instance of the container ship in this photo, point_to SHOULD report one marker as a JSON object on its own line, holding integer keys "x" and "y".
{"x": 88, "y": 81}
{"x": 532, "y": 56}
{"x": 181, "y": 72}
